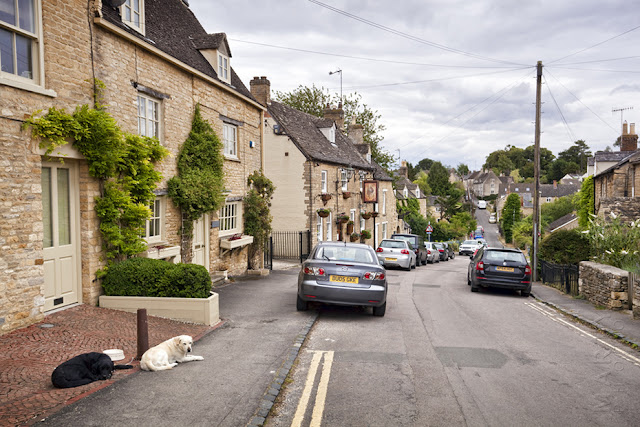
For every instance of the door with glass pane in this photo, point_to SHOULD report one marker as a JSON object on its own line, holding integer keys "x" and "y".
{"x": 60, "y": 235}
{"x": 201, "y": 241}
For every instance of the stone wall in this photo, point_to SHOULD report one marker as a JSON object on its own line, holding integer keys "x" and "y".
{"x": 627, "y": 208}
{"x": 636, "y": 295}
{"x": 604, "y": 285}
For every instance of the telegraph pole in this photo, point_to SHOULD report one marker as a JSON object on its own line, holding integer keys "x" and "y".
{"x": 536, "y": 177}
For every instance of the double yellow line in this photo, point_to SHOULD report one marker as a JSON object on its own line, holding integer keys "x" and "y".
{"x": 321, "y": 394}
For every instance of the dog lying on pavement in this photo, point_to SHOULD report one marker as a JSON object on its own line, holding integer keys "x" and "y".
{"x": 168, "y": 354}
{"x": 84, "y": 369}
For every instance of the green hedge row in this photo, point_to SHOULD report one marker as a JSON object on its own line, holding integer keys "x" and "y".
{"x": 144, "y": 277}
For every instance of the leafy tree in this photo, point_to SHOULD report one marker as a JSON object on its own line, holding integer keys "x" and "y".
{"x": 424, "y": 164}
{"x": 462, "y": 169}
{"x": 560, "y": 168}
{"x": 313, "y": 100}
{"x": 450, "y": 203}
{"x": 550, "y": 212}
{"x": 510, "y": 215}
{"x": 565, "y": 247}
{"x": 523, "y": 233}
{"x": 585, "y": 202}
{"x": 422, "y": 180}
{"x": 578, "y": 154}
{"x": 438, "y": 179}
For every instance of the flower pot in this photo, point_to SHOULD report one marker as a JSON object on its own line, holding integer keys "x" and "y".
{"x": 354, "y": 238}
{"x": 325, "y": 197}
{"x": 374, "y": 214}
{"x": 346, "y": 194}
{"x": 349, "y": 228}
{"x": 366, "y": 215}
{"x": 323, "y": 214}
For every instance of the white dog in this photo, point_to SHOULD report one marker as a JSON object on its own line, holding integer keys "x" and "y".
{"x": 168, "y": 354}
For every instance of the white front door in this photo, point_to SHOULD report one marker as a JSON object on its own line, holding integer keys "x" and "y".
{"x": 60, "y": 218}
{"x": 201, "y": 241}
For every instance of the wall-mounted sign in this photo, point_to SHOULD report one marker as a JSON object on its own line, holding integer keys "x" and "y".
{"x": 370, "y": 191}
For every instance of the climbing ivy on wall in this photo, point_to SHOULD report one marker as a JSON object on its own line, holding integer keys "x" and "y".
{"x": 198, "y": 187}
{"x": 123, "y": 163}
{"x": 257, "y": 214}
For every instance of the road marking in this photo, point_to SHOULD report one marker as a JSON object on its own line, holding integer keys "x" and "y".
{"x": 555, "y": 317}
{"x": 321, "y": 393}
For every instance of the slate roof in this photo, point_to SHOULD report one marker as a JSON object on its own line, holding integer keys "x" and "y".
{"x": 562, "y": 221}
{"x": 304, "y": 131}
{"x": 547, "y": 190}
{"x": 174, "y": 29}
{"x": 379, "y": 173}
{"x": 632, "y": 156}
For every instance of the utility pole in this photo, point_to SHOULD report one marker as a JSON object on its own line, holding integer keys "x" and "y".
{"x": 536, "y": 177}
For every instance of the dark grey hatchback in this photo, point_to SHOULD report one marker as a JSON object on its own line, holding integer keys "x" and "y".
{"x": 500, "y": 268}
{"x": 344, "y": 274}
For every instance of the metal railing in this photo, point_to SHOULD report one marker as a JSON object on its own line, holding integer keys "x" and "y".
{"x": 290, "y": 244}
{"x": 563, "y": 277}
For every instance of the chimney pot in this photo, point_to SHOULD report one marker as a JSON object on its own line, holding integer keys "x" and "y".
{"x": 260, "y": 88}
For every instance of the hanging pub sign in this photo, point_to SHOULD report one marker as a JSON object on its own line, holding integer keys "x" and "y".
{"x": 370, "y": 191}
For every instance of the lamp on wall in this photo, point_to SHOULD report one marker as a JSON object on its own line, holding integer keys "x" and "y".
{"x": 349, "y": 172}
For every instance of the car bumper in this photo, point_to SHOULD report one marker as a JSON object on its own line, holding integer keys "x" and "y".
{"x": 491, "y": 282}
{"x": 466, "y": 251}
{"x": 403, "y": 261}
{"x": 372, "y": 296}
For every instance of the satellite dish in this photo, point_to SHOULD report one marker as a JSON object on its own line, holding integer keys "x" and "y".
{"x": 115, "y": 3}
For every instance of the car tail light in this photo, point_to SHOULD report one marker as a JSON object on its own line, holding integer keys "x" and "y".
{"x": 428, "y": 251}
{"x": 480, "y": 266}
{"x": 314, "y": 271}
{"x": 372, "y": 275}
{"x": 379, "y": 250}
{"x": 404, "y": 252}
{"x": 527, "y": 271}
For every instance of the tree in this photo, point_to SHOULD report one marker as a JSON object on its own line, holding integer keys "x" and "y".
{"x": 585, "y": 203}
{"x": 578, "y": 153}
{"x": 462, "y": 169}
{"x": 422, "y": 180}
{"x": 510, "y": 215}
{"x": 556, "y": 209}
{"x": 313, "y": 100}
{"x": 438, "y": 179}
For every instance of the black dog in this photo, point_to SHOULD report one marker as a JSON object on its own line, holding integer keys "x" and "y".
{"x": 84, "y": 369}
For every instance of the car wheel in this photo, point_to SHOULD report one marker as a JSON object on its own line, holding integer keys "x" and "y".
{"x": 474, "y": 288}
{"x": 468, "y": 281}
{"x": 379, "y": 311}
{"x": 408, "y": 266}
{"x": 301, "y": 305}
{"x": 453, "y": 256}
{"x": 426, "y": 261}
{"x": 414, "y": 265}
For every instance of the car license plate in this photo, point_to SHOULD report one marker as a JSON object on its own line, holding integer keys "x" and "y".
{"x": 391, "y": 259}
{"x": 343, "y": 279}
{"x": 508, "y": 269}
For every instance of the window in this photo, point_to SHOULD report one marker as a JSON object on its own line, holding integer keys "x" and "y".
{"x": 229, "y": 218}
{"x": 324, "y": 181}
{"x": 343, "y": 179}
{"x": 384, "y": 202}
{"x": 384, "y": 230}
{"x": 405, "y": 192}
{"x": 352, "y": 215}
{"x": 155, "y": 223}
{"x": 223, "y": 67}
{"x": 548, "y": 199}
{"x": 319, "y": 228}
{"x": 329, "y": 228}
{"x": 362, "y": 224}
{"x": 148, "y": 117}
{"x": 132, "y": 12}
{"x": 230, "y": 140}
{"x": 418, "y": 192}
{"x": 20, "y": 44}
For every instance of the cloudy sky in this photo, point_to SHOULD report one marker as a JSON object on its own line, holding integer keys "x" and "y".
{"x": 453, "y": 80}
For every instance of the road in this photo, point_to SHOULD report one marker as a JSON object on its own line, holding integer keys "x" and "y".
{"x": 445, "y": 356}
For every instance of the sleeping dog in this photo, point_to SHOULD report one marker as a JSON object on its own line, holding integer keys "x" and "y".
{"x": 84, "y": 369}
{"x": 168, "y": 354}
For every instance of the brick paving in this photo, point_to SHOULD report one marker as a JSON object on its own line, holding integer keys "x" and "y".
{"x": 28, "y": 356}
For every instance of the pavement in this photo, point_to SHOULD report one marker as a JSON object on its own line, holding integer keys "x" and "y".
{"x": 247, "y": 358}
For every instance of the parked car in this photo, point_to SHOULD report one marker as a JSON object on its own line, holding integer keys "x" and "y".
{"x": 396, "y": 253}
{"x": 449, "y": 250}
{"x": 482, "y": 204}
{"x": 433, "y": 255}
{"x": 417, "y": 242}
{"x": 444, "y": 256}
{"x": 492, "y": 218}
{"x": 344, "y": 274}
{"x": 500, "y": 268}
{"x": 468, "y": 247}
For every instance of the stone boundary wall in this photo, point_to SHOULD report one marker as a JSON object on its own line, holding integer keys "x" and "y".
{"x": 605, "y": 285}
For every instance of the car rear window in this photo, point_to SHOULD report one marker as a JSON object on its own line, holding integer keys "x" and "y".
{"x": 345, "y": 253}
{"x": 505, "y": 256}
{"x": 392, "y": 244}
{"x": 409, "y": 239}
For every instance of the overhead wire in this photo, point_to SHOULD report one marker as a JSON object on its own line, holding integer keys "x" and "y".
{"x": 564, "y": 120}
{"x": 409, "y": 36}
{"x": 595, "y": 45}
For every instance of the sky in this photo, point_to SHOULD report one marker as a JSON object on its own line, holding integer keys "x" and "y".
{"x": 452, "y": 80}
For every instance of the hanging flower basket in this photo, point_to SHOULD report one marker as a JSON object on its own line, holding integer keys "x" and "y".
{"x": 364, "y": 235}
{"x": 349, "y": 227}
{"x": 323, "y": 213}
{"x": 365, "y": 215}
{"x": 342, "y": 219}
{"x": 354, "y": 237}
{"x": 325, "y": 197}
{"x": 374, "y": 214}
{"x": 346, "y": 194}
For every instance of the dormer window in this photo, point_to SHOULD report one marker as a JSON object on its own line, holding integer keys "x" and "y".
{"x": 223, "y": 68}
{"x": 132, "y": 12}
{"x": 330, "y": 134}
{"x": 417, "y": 192}
{"x": 405, "y": 192}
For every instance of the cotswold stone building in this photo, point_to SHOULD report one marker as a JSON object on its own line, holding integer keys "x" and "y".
{"x": 314, "y": 165}
{"x": 156, "y": 62}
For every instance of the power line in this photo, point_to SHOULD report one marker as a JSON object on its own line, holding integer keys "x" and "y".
{"x": 409, "y": 36}
{"x": 362, "y": 58}
{"x": 564, "y": 120}
{"x": 601, "y": 71}
{"x": 595, "y": 45}
{"x": 599, "y": 60}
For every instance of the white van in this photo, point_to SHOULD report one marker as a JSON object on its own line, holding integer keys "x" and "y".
{"x": 482, "y": 204}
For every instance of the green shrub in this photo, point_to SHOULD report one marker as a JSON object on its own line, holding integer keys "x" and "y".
{"x": 565, "y": 247}
{"x": 144, "y": 277}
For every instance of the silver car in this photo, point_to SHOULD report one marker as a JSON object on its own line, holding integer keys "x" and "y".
{"x": 396, "y": 253}
{"x": 433, "y": 255}
{"x": 344, "y": 274}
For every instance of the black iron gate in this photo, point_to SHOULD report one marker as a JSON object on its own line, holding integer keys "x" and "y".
{"x": 564, "y": 277}
{"x": 290, "y": 245}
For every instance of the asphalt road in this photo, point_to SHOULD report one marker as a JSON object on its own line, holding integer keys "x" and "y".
{"x": 445, "y": 356}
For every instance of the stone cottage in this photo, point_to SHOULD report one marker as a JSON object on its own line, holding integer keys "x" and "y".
{"x": 156, "y": 62}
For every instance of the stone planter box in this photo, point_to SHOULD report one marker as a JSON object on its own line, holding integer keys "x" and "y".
{"x": 196, "y": 310}
{"x": 232, "y": 244}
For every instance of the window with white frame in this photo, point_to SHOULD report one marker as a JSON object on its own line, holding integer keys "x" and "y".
{"x": 376, "y": 232}
{"x": 223, "y": 67}
{"x": 362, "y": 224}
{"x": 384, "y": 202}
{"x": 319, "y": 228}
{"x": 418, "y": 192}
{"x": 229, "y": 217}
{"x": 375, "y": 207}
{"x": 20, "y": 42}
{"x": 352, "y": 215}
{"x": 324, "y": 181}
{"x": 548, "y": 199}
{"x": 148, "y": 116}
{"x": 384, "y": 230}
{"x": 343, "y": 179}
{"x": 405, "y": 192}
{"x": 230, "y": 140}
{"x": 132, "y": 12}
{"x": 155, "y": 223}
{"x": 329, "y": 228}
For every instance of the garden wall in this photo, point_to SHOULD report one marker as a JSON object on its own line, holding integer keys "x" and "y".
{"x": 605, "y": 285}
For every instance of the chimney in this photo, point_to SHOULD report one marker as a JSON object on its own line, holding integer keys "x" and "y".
{"x": 335, "y": 114}
{"x": 629, "y": 140}
{"x": 403, "y": 171}
{"x": 356, "y": 132}
{"x": 555, "y": 184}
{"x": 261, "y": 90}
